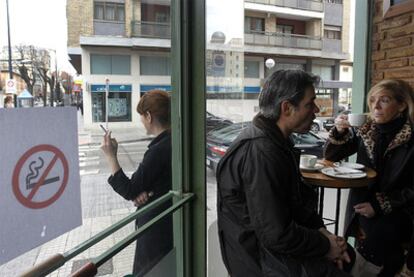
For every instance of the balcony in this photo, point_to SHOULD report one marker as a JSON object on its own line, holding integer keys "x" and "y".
{"x": 108, "y": 28}
{"x": 283, "y": 40}
{"x": 332, "y": 45}
{"x": 312, "y": 5}
{"x": 147, "y": 29}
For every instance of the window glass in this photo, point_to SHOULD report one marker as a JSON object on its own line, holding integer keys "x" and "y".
{"x": 286, "y": 29}
{"x": 109, "y": 11}
{"x": 100, "y": 64}
{"x": 121, "y": 64}
{"x": 251, "y": 69}
{"x": 324, "y": 71}
{"x": 155, "y": 65}
{"x": 99, "y": 11}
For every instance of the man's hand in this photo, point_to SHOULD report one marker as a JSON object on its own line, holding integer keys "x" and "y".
{"x": 337, "y": 251}
{"x": 365, "y": 209}
{"x": 406, "y": 272}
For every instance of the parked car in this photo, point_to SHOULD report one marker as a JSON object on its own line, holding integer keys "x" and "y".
{"x": 214, "y": 122}
{"x": 219, "y": 140}
{"x": 316, "y": 126}
{"x": 328, "y": 123}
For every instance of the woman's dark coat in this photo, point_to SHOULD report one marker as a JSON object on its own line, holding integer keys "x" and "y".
{"x": 396, "y": 185}
{"x": 153, "y": 174}
{"x": 267, "y": 224}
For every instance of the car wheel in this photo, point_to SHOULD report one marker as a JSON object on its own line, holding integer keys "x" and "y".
{"x": 315, "y": 127}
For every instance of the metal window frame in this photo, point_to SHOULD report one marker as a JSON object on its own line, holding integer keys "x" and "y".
{"x": 188, "y": 130}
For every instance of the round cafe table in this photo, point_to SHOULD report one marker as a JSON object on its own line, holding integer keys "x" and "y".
{"x": 323, "y": 181}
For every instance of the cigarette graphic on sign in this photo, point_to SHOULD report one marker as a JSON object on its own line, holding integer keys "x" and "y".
{"x": 35, "y": 167}
{"x": 26, "y": 188}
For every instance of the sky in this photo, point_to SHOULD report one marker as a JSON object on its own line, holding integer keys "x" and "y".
{"x": 224, "y": 16}
{"x": 41, "y": 23}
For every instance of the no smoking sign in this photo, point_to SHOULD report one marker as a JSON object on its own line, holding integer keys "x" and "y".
{"x": 40, "y": 176}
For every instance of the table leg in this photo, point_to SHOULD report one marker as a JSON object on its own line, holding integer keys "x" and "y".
{"x": 321, "y": 196}
{"x": 338, "y": 207}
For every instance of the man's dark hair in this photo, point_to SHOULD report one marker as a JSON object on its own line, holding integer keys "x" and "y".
{"x": 284, "y": 85}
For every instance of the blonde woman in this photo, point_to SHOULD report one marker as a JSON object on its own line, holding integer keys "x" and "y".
{"x": 381, "y": 216}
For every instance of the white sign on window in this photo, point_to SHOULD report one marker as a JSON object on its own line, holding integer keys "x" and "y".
{"x": 39, "y": 180}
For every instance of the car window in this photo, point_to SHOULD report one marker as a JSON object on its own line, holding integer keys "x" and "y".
{"x": 227, "y": 134}
{"x": 307, "y": 138}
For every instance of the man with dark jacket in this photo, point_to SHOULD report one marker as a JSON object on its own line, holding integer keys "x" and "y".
{"x": 267, "y": 221}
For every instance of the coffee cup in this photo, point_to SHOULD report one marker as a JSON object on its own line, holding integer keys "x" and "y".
{"x": 308, "y": 161}
{"x": 357, "y": 119}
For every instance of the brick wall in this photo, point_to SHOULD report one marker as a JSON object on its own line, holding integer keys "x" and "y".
{"x": 392, "y": 46}
{"x": 79, "y": 15}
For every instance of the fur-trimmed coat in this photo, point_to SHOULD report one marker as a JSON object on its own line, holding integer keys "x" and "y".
{"x": 394, "y": 191}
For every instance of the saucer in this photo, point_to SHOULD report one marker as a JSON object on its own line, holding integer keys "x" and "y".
{"x": 349, "y": 165}
{"x": 310, "y": 169}
{"x": 344, "y": 173}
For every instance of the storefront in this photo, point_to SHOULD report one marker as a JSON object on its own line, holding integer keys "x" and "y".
{"x": 119, "y": 103}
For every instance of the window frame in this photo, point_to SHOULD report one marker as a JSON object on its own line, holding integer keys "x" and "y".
{"x": 390, "y": 9}
{"x": 105, "y": 4}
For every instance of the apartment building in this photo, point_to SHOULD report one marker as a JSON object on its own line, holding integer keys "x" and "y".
{"x": 127, "y": 44}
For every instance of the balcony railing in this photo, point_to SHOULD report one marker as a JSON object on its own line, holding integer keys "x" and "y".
{"x": 283, "y": 40}
{"x": 313, "y": 5}
{"x": 151, "y": 29}
{"x": 108, "y": 28}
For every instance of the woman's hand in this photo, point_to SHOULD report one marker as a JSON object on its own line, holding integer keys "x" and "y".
{"x": 142, "y": 198}
{"x": 341, "y": 123}
{"x": 109, "y": 145}
{"x": 365, "y": 209}
{"x": 110, "y": 148}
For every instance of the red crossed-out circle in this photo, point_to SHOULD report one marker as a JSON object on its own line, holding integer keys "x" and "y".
{"x": 28, "y": 200}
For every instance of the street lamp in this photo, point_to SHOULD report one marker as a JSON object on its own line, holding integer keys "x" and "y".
{"x": 270, "y": 63}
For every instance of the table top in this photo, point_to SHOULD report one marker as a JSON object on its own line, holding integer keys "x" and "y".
{"x": 321, "y": 180}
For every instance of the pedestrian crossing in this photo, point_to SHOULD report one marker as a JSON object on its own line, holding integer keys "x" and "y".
{"x": 92, "y": 161}
{"x": 89, "y": 160}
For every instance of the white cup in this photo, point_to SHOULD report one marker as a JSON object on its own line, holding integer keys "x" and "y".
{"x": 357, "y": 119}
{"x": 308, "y": 161}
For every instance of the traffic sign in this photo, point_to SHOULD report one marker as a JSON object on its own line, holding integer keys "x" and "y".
{"x": 11, "y": 86}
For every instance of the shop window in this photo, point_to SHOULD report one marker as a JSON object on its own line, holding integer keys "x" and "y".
{"x": 109, "y": 11}
{"x": 155, "y": 65}
{"x": 119, "y": 103}
{"x": 110, "y": 64}
{"x": 251, "y": 69}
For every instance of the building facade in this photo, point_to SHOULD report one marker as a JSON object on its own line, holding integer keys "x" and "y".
{"x": 126, "y": 43}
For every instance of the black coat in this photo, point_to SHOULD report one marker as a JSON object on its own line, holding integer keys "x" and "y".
{"x": 396, "y": 184}
{"x": 267, "y": 224}
{"x": 153, "y": 174}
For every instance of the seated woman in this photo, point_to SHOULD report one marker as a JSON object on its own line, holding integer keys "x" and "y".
{"x": 151, "y": 180}
{"x": 383, "y": 213}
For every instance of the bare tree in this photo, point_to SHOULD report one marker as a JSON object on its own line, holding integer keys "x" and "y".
{"x": 33, "y": 65}
{"x": 24, "y": 64}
